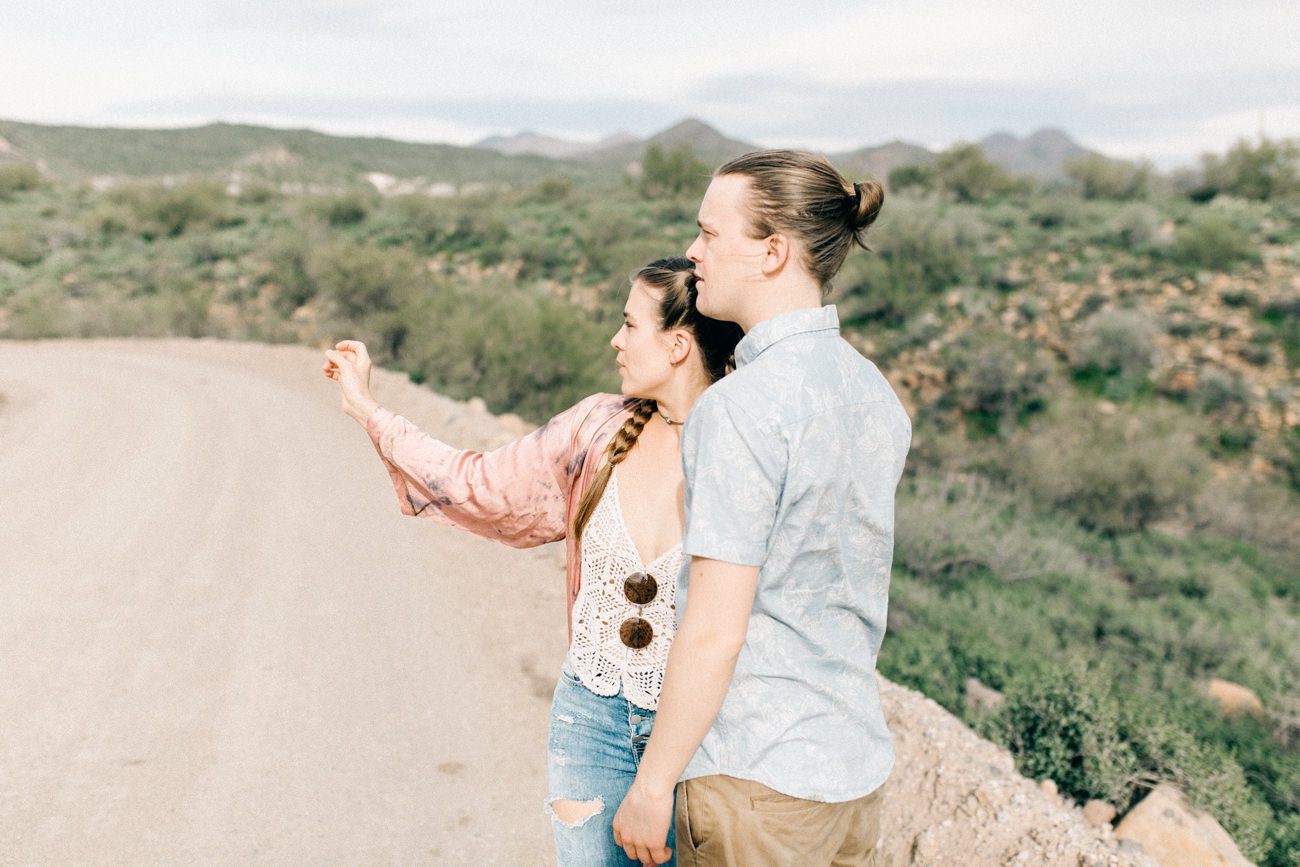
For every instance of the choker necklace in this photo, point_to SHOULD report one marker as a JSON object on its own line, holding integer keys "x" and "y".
{"x": 666, "y": 419}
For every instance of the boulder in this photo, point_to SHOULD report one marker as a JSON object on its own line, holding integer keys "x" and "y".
{"x": 982, "y": 698}
{"x": 1233, "y": 698}
{"x": 1098, "y": 812}
{"x": 1175, "y": 835}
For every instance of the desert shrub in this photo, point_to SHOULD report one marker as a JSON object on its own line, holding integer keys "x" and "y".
{"x": 1264, "y": 514}
{"x": 996, "y": 379}
{"x": 1219, "y": 390}
{"x": 1100, "y": 177}
{"x": 922, "y": 659}
{"x": 368, "y": 287}
{"x": 921, "y": 248}
{"x": 36, "y": 310}
{"x": 947, "y": 527}
{"x": 288, "y": 258}
{"x": 1281, "y": 321}
{"x": 1116, "y": 473}
{"x": 549, "y": 190}
{"x": 520, "y": 351}
{"x": 1057, "y": 212}
{"x": 915, "y": 176}
{"x": 158, "y": 211}
{"x": 1118, "y": 344}
{"x": 18, "y": 178}
{"x": 343, "y": 209}
{"x": 21, "y": 244}
{"x": 1206, "y": 772}
{"x": 1136, "y": 225}
{"x": 674, "y": 171}
{"x": 1268, "y": 170}
{"x": 965, "y": 172}
{"x": 1064, "y": 724}
{"x": 1214, "y": 242}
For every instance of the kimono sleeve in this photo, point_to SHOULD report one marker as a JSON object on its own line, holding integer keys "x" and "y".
{"x": 517, "y": 494}
{"x": 734, "y": 473}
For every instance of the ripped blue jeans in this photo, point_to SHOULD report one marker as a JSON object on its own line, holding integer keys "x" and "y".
{"x": 594, "y": 748}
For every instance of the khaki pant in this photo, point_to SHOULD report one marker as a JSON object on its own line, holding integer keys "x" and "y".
{"x": 727, "y": 822}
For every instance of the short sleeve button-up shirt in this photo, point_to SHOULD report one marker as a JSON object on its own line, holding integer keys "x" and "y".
{"x": 791, "y": 464}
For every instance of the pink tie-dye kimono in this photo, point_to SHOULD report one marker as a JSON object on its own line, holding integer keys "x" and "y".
{"x": 524, "y": 493}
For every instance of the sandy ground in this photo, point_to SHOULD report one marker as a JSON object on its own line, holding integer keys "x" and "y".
{"x": 220, "y": 641}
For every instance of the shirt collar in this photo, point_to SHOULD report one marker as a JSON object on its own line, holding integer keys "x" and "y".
{"x": 804, "y": 321}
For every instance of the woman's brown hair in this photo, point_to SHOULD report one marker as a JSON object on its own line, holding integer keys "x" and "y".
{"x": 674, "y": 279}
{"x": 802, "y": 195}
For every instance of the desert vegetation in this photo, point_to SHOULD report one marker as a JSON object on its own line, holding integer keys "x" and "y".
{"x": 1102, "y": 506}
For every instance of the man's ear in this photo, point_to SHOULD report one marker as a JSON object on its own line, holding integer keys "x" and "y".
{"x": 777, "y": 253}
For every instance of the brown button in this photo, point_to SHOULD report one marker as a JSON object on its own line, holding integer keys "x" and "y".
{"x": 640, "y": 588}
{"x": 636, "y": 632}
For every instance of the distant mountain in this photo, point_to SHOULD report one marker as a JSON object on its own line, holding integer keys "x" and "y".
{"x": 877, "y": 162}
{"x": 1041, "y": 155}
{"x": 549, "y": 146}
{"x": 308, "y": 157}
{"x": 709, "y": 145}
{"x": 283, "y": 154}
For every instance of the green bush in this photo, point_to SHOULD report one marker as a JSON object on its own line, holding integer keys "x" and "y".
{"x": 21, "y": 244}
{"x": 518, "y": 350}
{"x": 365, "y": 286}
{"x": 1115, "y": 343}
{"x": 996, "y": 379}
{"x": 968, "y": 175}
{"x": 1212, "y": 242}
{"x": 1116, "y": 473}
{"x": 343, "y": 209}
{"x": 950, "y": 527}
{"x": 670, "y": 172}
{"x": 1136, "y": 226}
{"x": 1100, "y": 177}
{"x": 18, "y": 178}
{"x": 1064, "y": 725}
{"x": 921, "y": 248}
{"x": 36, "y": 310}
{"x": 1267, "y": 171}
{"x": 159, "y": 211}
{"x": 1207, "y": 773}
{"x": 1219, "y": 390}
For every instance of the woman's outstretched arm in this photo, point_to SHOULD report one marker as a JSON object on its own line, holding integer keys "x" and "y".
{"x": 517, "y": 494}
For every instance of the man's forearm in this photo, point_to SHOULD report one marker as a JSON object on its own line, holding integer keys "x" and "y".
{"x": 700, "y": 666}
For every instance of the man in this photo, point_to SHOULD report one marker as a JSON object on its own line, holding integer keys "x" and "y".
{"x": 770, "y": 712}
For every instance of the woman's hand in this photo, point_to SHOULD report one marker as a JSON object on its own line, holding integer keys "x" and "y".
{"x": 348, "y": 364}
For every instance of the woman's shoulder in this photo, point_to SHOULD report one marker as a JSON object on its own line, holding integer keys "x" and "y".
{"x": 591, "y": 415}
{"x": 599, "y": 411}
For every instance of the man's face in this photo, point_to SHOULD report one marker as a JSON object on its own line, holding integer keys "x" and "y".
{"x": 727, "y": 260}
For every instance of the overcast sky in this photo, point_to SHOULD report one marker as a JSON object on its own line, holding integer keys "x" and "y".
{"x": 1163, "y": 79}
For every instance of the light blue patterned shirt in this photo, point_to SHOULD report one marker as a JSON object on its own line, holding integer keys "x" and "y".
{"x": 791, "y": 464}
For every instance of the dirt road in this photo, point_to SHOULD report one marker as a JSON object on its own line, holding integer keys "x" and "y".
{"x": 221, "y": 643}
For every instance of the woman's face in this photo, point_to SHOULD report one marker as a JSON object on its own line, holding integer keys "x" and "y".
{"x": 644, "y": 349}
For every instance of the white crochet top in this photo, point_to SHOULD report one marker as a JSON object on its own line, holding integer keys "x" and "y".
{"x": 597, "y": 655}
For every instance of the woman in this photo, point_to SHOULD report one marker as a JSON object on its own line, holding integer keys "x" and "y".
{"x": 605, "y": 475}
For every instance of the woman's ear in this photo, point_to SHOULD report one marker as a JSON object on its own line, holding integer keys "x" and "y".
{"x": 680, "y": 348}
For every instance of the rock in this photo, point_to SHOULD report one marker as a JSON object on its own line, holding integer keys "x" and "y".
{"x": 1233, "y": 698}
{"x": 1182, "y": 382}
{"x": 1048, "y": 787}
{"x": 981, "y": 697}
{"x": 1098, "y": 812}
{"x": 1172, "y": 833}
